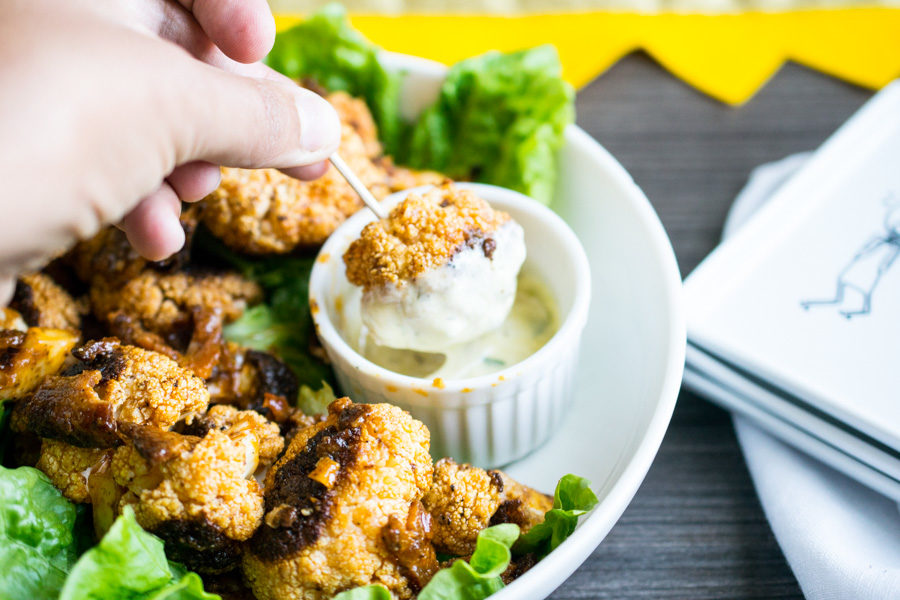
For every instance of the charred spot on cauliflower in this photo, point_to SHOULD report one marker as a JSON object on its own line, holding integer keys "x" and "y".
{"x": 110, "y": 385}
{"x": 329, "y": 500}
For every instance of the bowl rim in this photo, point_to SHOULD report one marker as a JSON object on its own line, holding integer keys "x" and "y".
{"x": 563, "y": 561}
{"x": 570, "y": 327}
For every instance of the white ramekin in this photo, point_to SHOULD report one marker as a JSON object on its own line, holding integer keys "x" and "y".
{"x": 489, "y": 420}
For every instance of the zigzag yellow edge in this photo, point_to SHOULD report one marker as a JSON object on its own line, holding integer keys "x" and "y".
{"x": 728, "y": 56}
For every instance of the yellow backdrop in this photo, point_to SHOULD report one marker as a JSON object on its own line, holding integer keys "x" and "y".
{"x": 728, "y": 56}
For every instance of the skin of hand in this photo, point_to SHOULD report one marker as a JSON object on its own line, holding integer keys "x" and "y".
{"x": 116, "y": 111}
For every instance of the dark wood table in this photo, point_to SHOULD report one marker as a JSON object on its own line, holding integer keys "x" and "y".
{"x": 695, "y": 528}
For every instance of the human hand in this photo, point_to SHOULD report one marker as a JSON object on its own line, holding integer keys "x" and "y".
{"x": 115, "y": 112}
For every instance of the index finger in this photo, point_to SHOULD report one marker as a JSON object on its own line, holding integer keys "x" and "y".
{"x": 243, "y": 29}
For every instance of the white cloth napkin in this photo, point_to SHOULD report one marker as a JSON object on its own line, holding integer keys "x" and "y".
{"x": 841, "y": 539}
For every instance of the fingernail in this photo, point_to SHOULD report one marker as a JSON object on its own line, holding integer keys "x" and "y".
{"x": 320, "y": 129}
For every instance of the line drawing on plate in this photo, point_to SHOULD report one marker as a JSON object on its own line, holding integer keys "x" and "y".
{"x": 858, "y": 280}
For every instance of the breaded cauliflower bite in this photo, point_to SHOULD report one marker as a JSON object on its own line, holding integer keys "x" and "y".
{"x": 198, "y": 493}
{"x": 43, "y": 303}
{"x": 464, "y": 499}
{"x": 109, "y": 386}
{"x": 27, "y": 358}
{"x": 227, "y": 418}
{"x": 341, "y": 505}
{"x": 264, "y": 211}
{"x": 163, "y": 302}
{"x": 440, "y": 270}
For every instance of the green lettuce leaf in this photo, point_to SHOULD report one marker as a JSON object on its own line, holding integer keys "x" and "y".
{"x": 130, "y": 563}
{"x": 368, "y": 592}
{"x": 327, "y": 49}
{"x": 480, "y": 576}
{"x": 37, "y": 544}
{"x": 315, "y": 402}
{"x": 499, "y": 119}
{"x": 573, "y": 497}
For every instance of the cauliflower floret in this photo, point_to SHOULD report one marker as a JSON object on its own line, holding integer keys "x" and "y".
{"x": 464, "y": 499}
{"x": 332, "y": 502}
{"x": 111, "y": 385}
{"x": 266, "y": 212}
{"x": 162, "y": 302}
{"x": 69, "y": 467}
{"x": 43, "y": 303}
{"x": 28, "y": 358}
{"x": 197, "y": 494}
{"x": 223, "y": 417}
{"x": 441, "y": 269}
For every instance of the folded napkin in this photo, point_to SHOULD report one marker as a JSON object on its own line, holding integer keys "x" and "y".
{"x": 841, "y": 539}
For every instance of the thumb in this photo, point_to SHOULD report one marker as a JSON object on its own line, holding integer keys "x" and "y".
{"x": 248, "y": 122}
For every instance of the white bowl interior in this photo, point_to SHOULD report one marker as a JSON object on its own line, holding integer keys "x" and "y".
{"x": 633, "y": 346}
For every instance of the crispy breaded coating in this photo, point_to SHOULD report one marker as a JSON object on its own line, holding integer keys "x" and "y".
{"x": 111, "y": 385}
{"x": 329, "y": 500}
{"x": 421, "y": 233}
{"x": 29, "y": 357}
{"x": 197, "y": 494}
{"x": 255, "y": 380}
{"x": 464, "y": 499}
{"x": 162, "y": 302}
{"x": 69, "y": 467}
{"x": 43, "y": 303}
{"x": 266, "y": 212}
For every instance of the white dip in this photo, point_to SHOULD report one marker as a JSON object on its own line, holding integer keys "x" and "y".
{"x": 452, "y": 304}
{"x": 529, "y": 325}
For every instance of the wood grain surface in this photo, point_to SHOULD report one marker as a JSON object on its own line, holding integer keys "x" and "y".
{"x": 695, "y": 529}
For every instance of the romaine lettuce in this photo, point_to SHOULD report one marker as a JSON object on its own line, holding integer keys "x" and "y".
{"x": 328, "y": 50}
{"x": 573, "y": 497}
{"x": 368, "y": 592}
{"x": 130, "y": 563}
{"x": 37, "y": 544}
{"x": 480, "y": 576}
{"x": 499, "y": 119}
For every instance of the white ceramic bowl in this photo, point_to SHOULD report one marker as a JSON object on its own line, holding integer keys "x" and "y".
{"x": 632, "y": 351}
{"x": 489, "y": 420}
